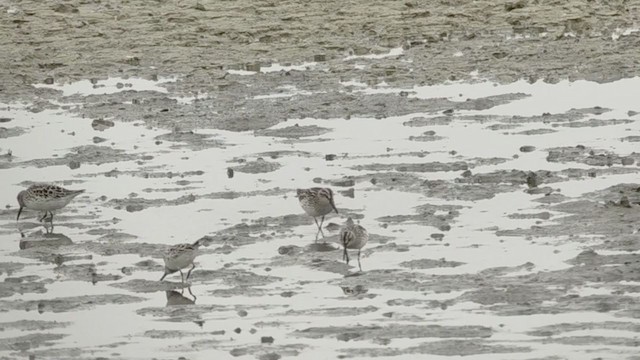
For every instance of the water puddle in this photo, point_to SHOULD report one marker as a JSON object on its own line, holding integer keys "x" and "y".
{"x": 470, "y": 210}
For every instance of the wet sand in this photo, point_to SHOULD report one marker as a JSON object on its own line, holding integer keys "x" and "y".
{"x": 493, "y": 162}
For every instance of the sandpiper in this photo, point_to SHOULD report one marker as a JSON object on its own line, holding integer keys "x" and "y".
{"x": 45, "y": 197}
{"x": 317, "y": 202}
{"x": 353, "y": 236}
{"x": 179, "y": 257}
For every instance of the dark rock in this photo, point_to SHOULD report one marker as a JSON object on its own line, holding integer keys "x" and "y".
{"x": 266, "y": 340}
{"x": 101, "y": 124}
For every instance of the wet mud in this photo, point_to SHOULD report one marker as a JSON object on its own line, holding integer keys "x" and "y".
{"x": 499, "y": 188}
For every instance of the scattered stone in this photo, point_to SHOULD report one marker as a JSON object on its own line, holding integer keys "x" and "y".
{"x": 628, "y": 161}
{"x": 229, "y": 173}
{"x": 330, "y": 157}
{"x": 527, "y": 148}
{"x": 134, "y": 207}
{"x": 266, "y": 340}
{"x": 74, "y": 164}
{"x": 343, "y": 182}
{"x": 533, "y": 180}
{"x": 101, "y": 124}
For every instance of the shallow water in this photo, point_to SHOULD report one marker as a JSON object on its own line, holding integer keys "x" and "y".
{"x": 187, "y": 194}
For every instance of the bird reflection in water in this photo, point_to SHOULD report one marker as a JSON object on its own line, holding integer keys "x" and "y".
{"x": 177, "y": 298}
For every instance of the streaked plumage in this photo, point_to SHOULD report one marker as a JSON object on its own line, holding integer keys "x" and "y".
{"x": 353, "y": 236}
{"x": 46, "y": 198}
{"x": 179, "y": 257}
{"x": 317, "y": 202}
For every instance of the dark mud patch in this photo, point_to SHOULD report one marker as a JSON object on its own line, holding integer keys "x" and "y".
{"x": 595, "y": 123}
{"x": 557, "y": 329}
{"x": 28, "y": 342}
{"x": 84, "y": 272}
{"x": 294, "y": 132}
{"x": 594, "y": 340}
{"x": 235, "y": 277}
{"x": 196, "y": 313}
{"x": 584, "y": 155}
{"x": 426, "y": 138}
{"x": 443, "y": 348}
{"x": 109, "y": 249}
{"x": 284, "y": 154}
{"x": 430, "y": 264}
{"x": 257, "y": 167}
{"x": 421, "y": 167}
{"x": 32, "y": 325}
{"x": 173, "y": 334}
{"x": 66, "y": 304}
{"x": 86, "y": 154}
{"x": 438, "y": 216}
{"x": 620, "y": 305}
{"x": 545, "y": 215}
{"x": 23, "y": 285}
{"x": 328, "y": 312}
{"x": 543, "y": 131}
{"x": 134, "y": 204}
{"x": 147, "y": 286}
{"x": 11, "y": 132}
{"x": 600, "y": 216}
{"x": 190, "y": 140}
{"x": 10, "y": 267}
{"x": 191, "y": 313}
{"x": 149, "y": 172}
{"x": 441, "y": 189}
{"x": 269, "y": 352}
{"x": 394, "y": 331}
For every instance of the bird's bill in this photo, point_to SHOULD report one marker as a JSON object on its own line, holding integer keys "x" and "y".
{"x": 163, "y": 276}
{"x": 19, "y": 212}
{"x": 334, "y": 206}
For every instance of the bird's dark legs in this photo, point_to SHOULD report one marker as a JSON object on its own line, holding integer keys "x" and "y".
{"x": 316, "y": 221}
{"x": 360, "y": 266}
{"x": 181, "y": 276}
{"x": 47, "y": 213}
{"x": 319, "y": 227}
{"x": 190, "y": 270}
{"x": 345, "y": 256}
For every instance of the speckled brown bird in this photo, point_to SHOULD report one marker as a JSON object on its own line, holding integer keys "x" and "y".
{"x": 46, "y": 198}
{"x": 317, "y": 202}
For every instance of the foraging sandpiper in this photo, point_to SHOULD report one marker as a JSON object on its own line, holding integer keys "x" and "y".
{"x": 353, "y": 236}
{"x": 317, "y": 202}
{"x": 179, "y": 257}
{"x": 45, "y": 197}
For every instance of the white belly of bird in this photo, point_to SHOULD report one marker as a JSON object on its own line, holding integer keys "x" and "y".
{"x": 48, "y": 205}
{"x": 181, "y": 261}
{"x": 323, "y": 207}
